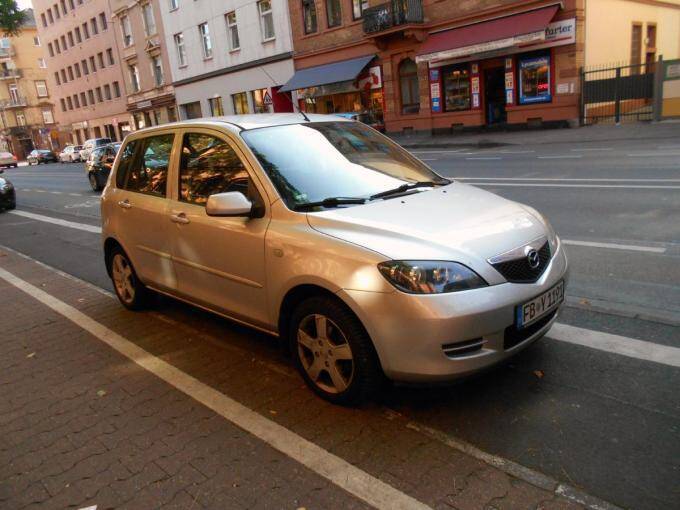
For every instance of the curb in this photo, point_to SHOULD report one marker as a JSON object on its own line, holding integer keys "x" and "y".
{"x": 665, "y": 317}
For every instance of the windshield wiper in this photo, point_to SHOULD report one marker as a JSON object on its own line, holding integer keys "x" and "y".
{"x": 329, "y": 202}
{"x": 406, "y": 187}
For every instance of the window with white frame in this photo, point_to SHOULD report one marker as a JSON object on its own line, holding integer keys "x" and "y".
{"x": 149, "y": 21}
{"x": 266, "y": 19}
{"x": 134, "y": 77}
{"x": 232, "y": 31}
{"x": 36, "y": 41}
{"x": 358, "y": 8}
{"x": 42, "y": 64}
{"x": 127, "y": 30}
{"x": 157, "y": 68}
{"x": 181, "y": 50}
{"x": 48, "y": 118}
{"x": 206, "y": 44}
{"x": 174, "y": 4}
{"x": 21, "y": 119}
{"x": 41, "y": 88}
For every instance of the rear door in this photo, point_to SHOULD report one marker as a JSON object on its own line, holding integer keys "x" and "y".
{"x": 140, "y": 201}
{"x": 219, "y": 261}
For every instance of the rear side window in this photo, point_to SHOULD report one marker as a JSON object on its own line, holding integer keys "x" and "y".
{"x": 208, "y": 166}
{"x": 143, "y": 166}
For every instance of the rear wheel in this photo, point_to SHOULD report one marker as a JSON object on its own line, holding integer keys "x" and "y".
{"x": 94, "y": 183}
{"x": 131, "y": 292}
{"x": 333, "y": 352}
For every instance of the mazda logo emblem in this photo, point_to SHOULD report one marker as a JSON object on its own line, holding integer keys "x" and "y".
{"x": 533, "y": 259}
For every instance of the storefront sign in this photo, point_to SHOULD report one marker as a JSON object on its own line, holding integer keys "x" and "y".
{"x": 508, "y": 63}
{"x": 534, "y": 80}
{"x": 144, "y": 104}
{"x": 434, "y": 74}
{"x": 561, "y": 32}
{"x": 484, "y": 47}
{"x": 371, "y": 79}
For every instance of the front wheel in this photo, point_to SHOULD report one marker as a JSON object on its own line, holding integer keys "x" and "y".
{"x": 333, "y": 352}
{"x": 131, "y": 292}
{"x": 94, "y": 183}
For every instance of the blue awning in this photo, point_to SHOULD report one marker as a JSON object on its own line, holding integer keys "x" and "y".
{"x": 346, "y": 70}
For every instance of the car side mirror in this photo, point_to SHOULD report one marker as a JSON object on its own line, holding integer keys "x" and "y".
{"x": 232, "y": 203}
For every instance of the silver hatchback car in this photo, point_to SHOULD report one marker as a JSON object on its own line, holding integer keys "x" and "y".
{"x": 327, "y": 234}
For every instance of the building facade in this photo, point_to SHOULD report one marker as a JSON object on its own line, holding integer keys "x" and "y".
{"x": 85, "y": 69}
{"x": 144, "y": 55}
{"x": 425, "y": 65}
{"x": 27, "y": 118}
{"x": 228, "y": 57}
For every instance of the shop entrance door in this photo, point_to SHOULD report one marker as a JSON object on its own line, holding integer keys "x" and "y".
{"x": 494, "y": 95}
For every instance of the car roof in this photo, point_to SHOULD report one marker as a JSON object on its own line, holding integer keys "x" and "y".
{"x": 249, "y": 121}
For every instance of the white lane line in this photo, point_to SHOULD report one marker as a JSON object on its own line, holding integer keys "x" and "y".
{"x": 517, "y": 152}
{"x": 624, "y": 346}
{"x": 40, "y": 191}
{"x": 563, "y": 156}
{"x": 56, "y": 192}
{"x": 593, "y": 149}
{"x": 536, "y": 185}
{"x": 653, "y": 154}
{"x": 338, "y": 471}
{"x": 57, "y": 221}
{"x": 484, "y": 158}
{"x": 615, "y": 246}
{"x": 75, "y": 195}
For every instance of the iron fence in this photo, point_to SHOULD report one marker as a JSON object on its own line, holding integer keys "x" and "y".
{"x": 391, "y": 14}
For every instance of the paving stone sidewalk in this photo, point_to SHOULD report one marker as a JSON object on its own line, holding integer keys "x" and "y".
{"x": 81, "y": 425}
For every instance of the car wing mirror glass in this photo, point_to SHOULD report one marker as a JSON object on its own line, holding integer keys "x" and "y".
{"x": 232, "y": 203}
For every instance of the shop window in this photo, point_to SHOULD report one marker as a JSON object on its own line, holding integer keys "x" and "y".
{"x": 309, "y": 14}
{"x": 258, "y": 101}
{"x": 216, "y": 108}
{"x": 240, "y": 101}
{"x": 408, "y": 83}
{"x": 333, "y": 13}
{"x": 534, "y": 80}
{"x": 358, "y": 8}
{"x": 456, "y": 89}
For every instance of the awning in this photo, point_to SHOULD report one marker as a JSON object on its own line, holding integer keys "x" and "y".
{"x": 347, "y": 70}
{"x": 487, "y": 35}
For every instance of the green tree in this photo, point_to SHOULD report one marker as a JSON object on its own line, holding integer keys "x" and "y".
{"x": 11, "y": 17}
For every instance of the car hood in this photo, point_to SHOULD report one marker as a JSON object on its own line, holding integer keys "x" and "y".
{"x": 455, "y": 222}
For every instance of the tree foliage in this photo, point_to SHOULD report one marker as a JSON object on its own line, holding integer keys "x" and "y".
{"x": 11, "y": 17}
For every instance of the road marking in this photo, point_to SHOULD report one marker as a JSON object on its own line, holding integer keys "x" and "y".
{"x": 40, "y": 191}
{"x": 563, "y": 156}
{"x": 338, "y": 471}
{"x": 593, "y": 149}
{"x": 56, "y": 192}
{"x": 484, "y": 158}
{"x": 428, "y": 159}
{"x": 653, "y": 154}
{"x": 624, "y": 346}
{"x": 417, "y": 151}
{"x": 559, "y": 179}
{"x": 57, "y": 221}
{"x": 75, "y": 195}
{"x": 628, "y": 247}
{"x": 668, "y": 147}
{"x": 536, "y": 185}
{"x": 517, "y": 152}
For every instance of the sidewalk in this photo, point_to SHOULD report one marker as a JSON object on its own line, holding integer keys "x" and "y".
{"x": 84, "y": 424}
{"x": 662, "y": 131}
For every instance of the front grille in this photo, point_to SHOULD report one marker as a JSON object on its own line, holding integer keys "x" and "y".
{"x": 514, "y": 336}
{"x": 519, "y": 271}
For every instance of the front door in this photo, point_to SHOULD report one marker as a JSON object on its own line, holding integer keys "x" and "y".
{"x": 494, "y": 95}
{"x": 219, "y": 260}
{"x": 140, "y": 195}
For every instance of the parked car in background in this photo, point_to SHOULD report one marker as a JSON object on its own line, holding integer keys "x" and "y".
{"x": 41, "y": 156}
{"x": 98, "y": 165}
{"x": 319, "y": 230}
{"x": 92, "y": 144}
{"x": 70, "y": 154}
{"x": 8, "y": 159}
{"x": 8, "y": 198}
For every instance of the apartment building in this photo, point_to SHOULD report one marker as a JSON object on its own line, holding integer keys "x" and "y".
{"x": 85, "y": 71}
{"x": 26, "y": 100}
{"x": 228, "y": 57}
{"x": 419, "y": 65}
{"x": 150, "y": 94}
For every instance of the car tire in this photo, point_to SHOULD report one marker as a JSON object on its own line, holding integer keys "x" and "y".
{"x": 94, "y": 182}
{"x": 131, "y": 292}
{"x": 15, "y": 165}
{"x": 340, "y": 364}
{"x": 12, "y": 206}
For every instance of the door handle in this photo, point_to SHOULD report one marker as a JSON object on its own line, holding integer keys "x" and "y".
{"x": 125, "y": 204}
{"x": 179, "y": 218}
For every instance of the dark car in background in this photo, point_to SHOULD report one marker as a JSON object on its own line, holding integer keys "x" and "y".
{"x": 8, "y": 198}
{"x": 38, "y": 156}
{"x": 99, "y": 163}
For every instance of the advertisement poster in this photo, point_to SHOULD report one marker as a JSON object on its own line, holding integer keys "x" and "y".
{"x": 534, "y": 80}
{"x": 475, "y": 100}
{"x": 509, "y": 81}
{"x": 435, "y": 94}
{"x": 475, "y": 84}
{"x": 434, "y": 74}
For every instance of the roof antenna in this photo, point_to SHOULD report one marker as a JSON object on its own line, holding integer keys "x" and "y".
{"x": 292, "y": 103}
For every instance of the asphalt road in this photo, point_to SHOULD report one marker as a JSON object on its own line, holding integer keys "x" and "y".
{"x": 602, "y": 422}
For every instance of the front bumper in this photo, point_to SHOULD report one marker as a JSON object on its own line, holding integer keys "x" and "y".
{"x": 422, "y": 338}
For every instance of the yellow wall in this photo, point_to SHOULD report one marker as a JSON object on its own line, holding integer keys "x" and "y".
{"x": 609, "y": 28}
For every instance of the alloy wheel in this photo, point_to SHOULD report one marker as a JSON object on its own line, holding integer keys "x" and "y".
{"x": 325, "y": 353}
{"x": 93, "y": 182}
{"x": 123, "y": 278}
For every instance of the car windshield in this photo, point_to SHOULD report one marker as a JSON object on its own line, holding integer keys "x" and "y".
{"x": 103, "y": 141}
{"x": 312, "y": 162}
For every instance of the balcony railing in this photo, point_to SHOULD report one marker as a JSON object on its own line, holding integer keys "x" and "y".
{"x": 13, "y": 102}
{"x": 6, "y": 74}
{"x": 392, "y": 14}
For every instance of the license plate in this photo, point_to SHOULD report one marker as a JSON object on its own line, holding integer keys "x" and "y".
{"x": 540, "y": 306}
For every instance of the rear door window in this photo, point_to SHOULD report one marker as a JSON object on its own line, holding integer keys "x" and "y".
{"x": 143, "y": 166}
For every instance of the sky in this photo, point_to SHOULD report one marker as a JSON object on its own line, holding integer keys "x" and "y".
{"x": 24, "y": 3}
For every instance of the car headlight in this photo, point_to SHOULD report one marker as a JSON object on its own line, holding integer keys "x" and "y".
{"x": 430, "y": 277}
